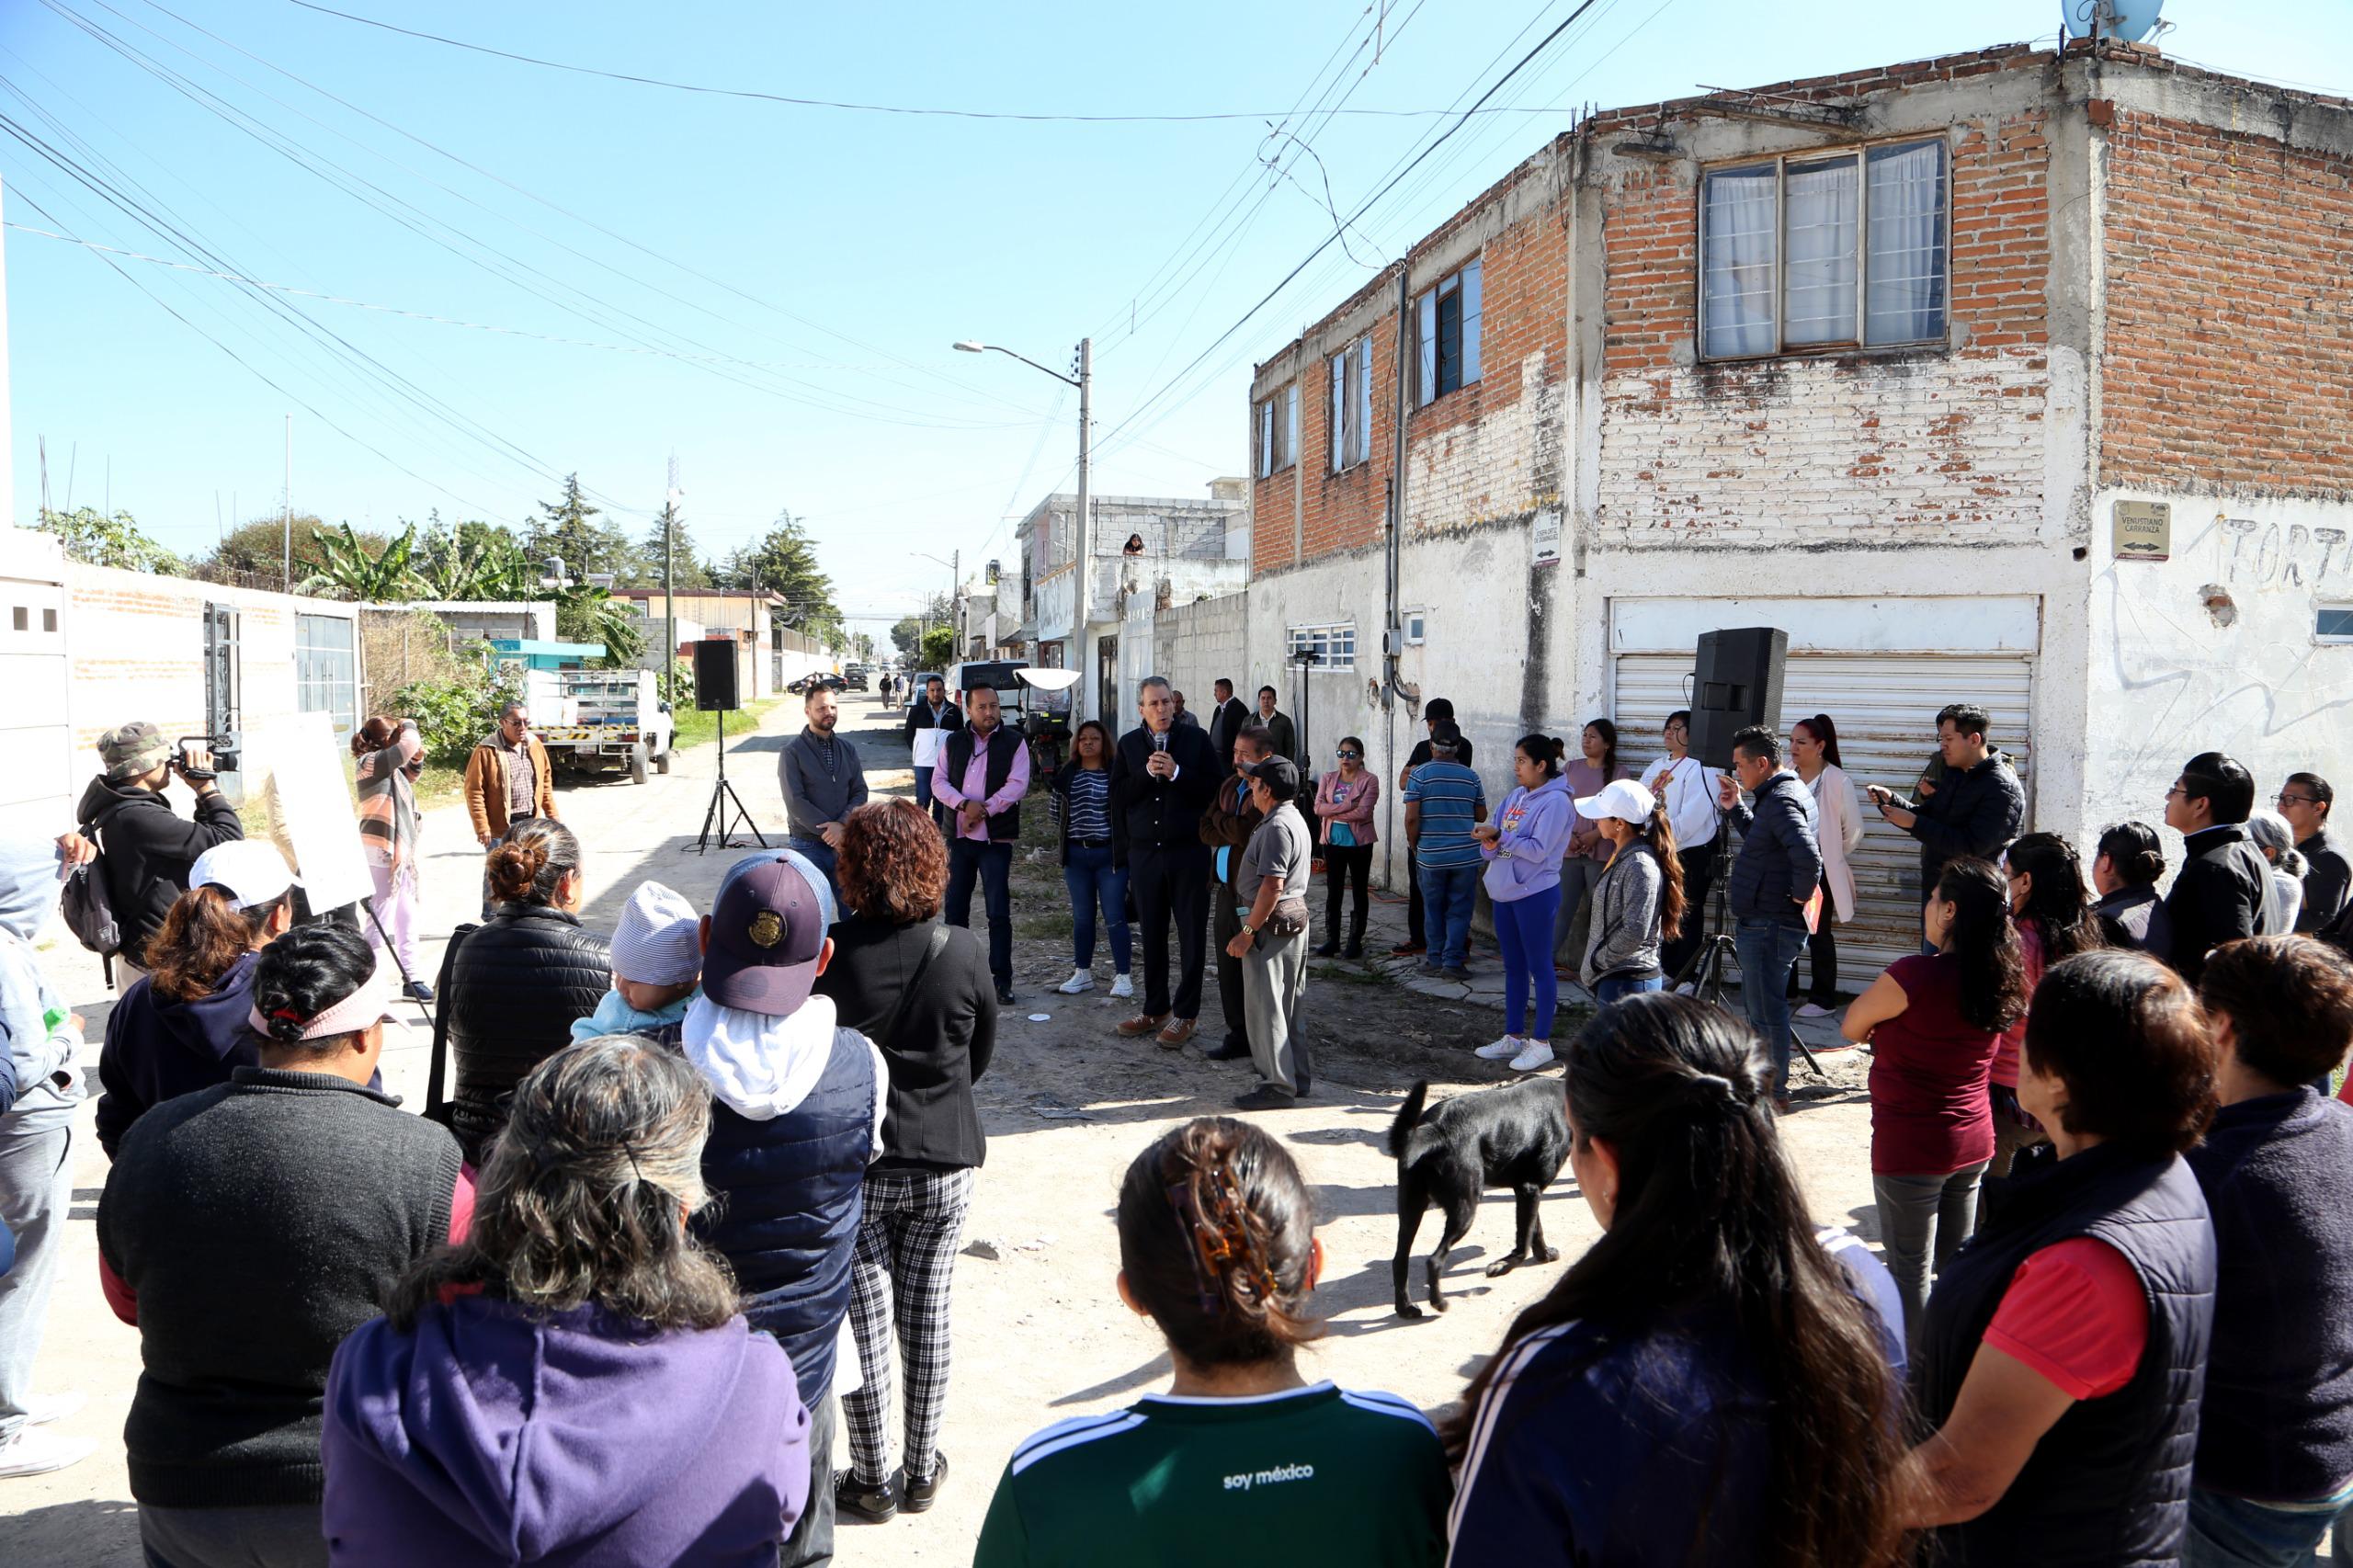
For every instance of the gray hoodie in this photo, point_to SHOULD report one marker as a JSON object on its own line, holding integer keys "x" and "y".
{"x": 1624, "y": 944}
{"x": 42, "y": 1042}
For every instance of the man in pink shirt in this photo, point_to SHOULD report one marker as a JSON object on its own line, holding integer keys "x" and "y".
{"x": 983, "y": 772}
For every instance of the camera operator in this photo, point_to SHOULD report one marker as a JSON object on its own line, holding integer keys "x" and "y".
{"x": 145, "y": 849}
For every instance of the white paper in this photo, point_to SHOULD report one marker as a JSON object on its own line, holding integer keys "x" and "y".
{"x": 312, "y": 810}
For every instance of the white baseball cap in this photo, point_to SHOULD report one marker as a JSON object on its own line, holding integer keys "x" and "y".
{"x": 248, "y": 873}
{"x": 1622, "y": 799}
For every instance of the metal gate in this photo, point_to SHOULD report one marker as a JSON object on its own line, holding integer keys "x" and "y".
{"x": 1885, "y": 708}
{"x": 1106, "y": 682}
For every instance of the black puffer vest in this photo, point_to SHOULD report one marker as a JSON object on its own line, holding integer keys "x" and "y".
{"x": 514, "y": 986}
{"x": 2109, "y": 1485}
{"x": 956, "y": 755}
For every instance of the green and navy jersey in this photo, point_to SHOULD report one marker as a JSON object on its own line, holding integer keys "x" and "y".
{"x": 1318, "y": 1475}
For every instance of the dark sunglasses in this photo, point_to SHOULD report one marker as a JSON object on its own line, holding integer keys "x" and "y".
{"x": 1351, "y": 756}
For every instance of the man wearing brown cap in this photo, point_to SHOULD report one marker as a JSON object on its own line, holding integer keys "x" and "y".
{"x": 800, "y": 1109}
{"x": 144, "y": 847}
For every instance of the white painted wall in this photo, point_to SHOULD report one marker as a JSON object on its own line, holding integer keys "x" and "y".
{"x": 2171, "y": 677}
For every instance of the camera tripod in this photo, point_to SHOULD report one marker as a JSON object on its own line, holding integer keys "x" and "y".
{"x": 408, "y": 980}
{"x": 1704, "y": 969}
{"x": 726, "y": 806}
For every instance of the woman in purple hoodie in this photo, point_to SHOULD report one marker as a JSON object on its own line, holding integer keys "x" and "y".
{"x": 1523, "y": 848}
{"x": 573, "y": 1383}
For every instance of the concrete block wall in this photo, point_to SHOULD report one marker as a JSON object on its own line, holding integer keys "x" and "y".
{"x": 1198, "y": 644}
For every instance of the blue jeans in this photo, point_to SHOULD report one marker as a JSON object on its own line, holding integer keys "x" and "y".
{"x": 992, "y": 863}
{"x": 922, "y": 788}
{"x": 1608, "y": 991}
{"x": 1449, "y": 895}
{"x": 1768, "y": 950}
{"x": 2231, "y": 1532}
{"x": 820, "y": 854}
{"x": 1524, "y": 931}
{"x": 1091, "y": 878}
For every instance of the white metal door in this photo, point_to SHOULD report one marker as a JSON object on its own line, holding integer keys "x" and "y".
{"x": 1885, "y": 706}
{"x": 37, "y": 790}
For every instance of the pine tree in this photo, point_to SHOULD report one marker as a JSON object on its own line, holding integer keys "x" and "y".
{"x": 564, "y": 529}
{"x": 688, "y": 571}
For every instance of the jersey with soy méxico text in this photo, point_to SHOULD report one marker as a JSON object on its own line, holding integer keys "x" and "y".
{"x": 1318, "y": 1475}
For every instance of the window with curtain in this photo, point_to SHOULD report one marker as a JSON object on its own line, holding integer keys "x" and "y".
{"x": 1446, "y": 320}
{"x": 1278, "y": 431}
{"x": 1352, "y": 405}
{"x": 1848, "y": 248}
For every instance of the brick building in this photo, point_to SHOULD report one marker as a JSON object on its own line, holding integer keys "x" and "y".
{"x": 1873, "y": 357}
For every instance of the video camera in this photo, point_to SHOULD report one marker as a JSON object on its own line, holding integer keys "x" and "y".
{"x": 224, "y": 756}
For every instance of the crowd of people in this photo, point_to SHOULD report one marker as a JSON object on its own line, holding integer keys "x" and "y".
{"x": 590, "y": 1307}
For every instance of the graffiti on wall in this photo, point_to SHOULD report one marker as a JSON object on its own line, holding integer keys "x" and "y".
{"x": 2282, "y": 555}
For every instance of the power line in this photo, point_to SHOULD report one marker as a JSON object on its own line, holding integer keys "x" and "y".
{"x": 910, "y": 109}
{"x": 1361, "y": 208}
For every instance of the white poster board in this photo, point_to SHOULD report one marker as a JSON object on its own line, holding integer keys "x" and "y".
{"x": 313, "y": 814}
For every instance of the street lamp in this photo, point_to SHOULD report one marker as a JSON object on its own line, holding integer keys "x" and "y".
{"x": 1085, "y": 383}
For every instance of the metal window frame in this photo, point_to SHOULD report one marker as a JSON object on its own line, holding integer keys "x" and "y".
{"x": 2333, "y": 639}
{"x": 1334, "y": 643}
{"x": 1779, "y": 163}
{"x": 1429, "y": 375}
{"x": 1351, "y": 416}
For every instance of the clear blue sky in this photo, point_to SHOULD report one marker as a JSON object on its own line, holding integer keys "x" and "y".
{"x": 802, "y": 270}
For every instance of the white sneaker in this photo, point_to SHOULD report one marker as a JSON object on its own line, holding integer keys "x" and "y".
{"x": 1122, "y": 986}
{"x": 35, "y": 1452}
{"x": 1079, "y": 981}
{"x": 1538, "y": 1054}
{"x": 1503, "y": 1049}
{"x": 42, "y": 1409}
{"x": 1812, "y": 1010}
{"x": 1686, "y": 989}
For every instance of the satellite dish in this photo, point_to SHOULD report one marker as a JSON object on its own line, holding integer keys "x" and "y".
{"x": 2127, "y": 21}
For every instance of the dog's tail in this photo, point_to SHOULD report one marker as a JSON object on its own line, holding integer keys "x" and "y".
{"x": 1408, "y": 1115}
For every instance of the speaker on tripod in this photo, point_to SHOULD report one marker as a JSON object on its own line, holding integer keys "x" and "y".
{"x": 715, "y": 692}
{"x": 1737, "y": 682}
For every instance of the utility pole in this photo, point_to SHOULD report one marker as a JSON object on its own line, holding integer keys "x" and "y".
{"x": 287, "y": 528}
{"x": 1082, "y": 644}
{"x": 956, "y": 599}
{"x": 669, "y": 570}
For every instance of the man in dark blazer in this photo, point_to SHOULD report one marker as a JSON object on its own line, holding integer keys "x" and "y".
{"x": 931, "y": 717}
{"x": 1163, "y": 775}
{"x": 1226, "y": 718}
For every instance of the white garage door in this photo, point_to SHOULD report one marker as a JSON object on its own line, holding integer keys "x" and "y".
{"x": 1885, "y": 706}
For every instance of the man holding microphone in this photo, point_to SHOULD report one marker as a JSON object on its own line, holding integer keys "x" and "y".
{"x": 1163, "y": 775}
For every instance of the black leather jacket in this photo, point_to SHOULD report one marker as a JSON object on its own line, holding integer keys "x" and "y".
{"x": 516, "y": 985}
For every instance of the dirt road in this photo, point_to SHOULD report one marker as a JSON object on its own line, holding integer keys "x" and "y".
{"x": 1040, "y": 1334}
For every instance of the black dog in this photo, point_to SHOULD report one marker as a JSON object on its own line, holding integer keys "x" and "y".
{"x": 1515, "y": 1136}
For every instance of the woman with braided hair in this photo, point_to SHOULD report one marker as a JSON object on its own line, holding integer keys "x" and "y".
{"x": 1712, "y": 1381}
{"x": 1243, "y": 1461}
{"x": 245, "y": 1228}
{"x": 574, "y": 1382}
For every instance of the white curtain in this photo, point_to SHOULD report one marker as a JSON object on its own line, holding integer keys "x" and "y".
{"x": 1818, "y": 278}
{"x": 1426, "y": 346}
{"x": 1905, "y": 300}
{"x": 1473, "y": 308}
{"x": 1339, "y": 412}
{"x": 1737, "y": 266}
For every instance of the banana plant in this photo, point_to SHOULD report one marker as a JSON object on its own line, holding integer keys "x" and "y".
{"x": 591, "y": 614}
{"x": 351, "y": 570}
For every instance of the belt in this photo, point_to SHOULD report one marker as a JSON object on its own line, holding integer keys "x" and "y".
{"x": 1090, "y": 844}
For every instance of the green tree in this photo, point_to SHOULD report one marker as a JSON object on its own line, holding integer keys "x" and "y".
{"x": 476, "y": 559}
{"x": 938, "y": 649}
{"x": 379, "y": 576}
{"x": 565, "y": 530}
{"x": 107, "y": 541}
{"x": 258, "y": 547}
{"x": 590, "y": 614}
{"x": 688, "y": 570}
{"x": 785, "y": 564}
{"x": 908, "y": 634}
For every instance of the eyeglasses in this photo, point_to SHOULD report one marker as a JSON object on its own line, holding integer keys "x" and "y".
{"x": 2176, "y": 789}
{"x": 2285, "y": 799}
{"x": 1349, "y": 756}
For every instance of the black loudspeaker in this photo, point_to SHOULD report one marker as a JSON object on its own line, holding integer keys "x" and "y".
{"x": 715, "y": 676}
{"x": 1738, "y": 684}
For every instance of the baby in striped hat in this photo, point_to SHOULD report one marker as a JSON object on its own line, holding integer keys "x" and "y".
{"x": 658, "y": 968}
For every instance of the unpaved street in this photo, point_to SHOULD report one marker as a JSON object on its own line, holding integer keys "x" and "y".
{"x": 1039, "y": 1335}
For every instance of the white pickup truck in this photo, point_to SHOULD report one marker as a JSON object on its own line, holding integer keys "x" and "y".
{"x": 602, "y": 720}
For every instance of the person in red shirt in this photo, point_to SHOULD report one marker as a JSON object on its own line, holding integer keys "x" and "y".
{"x": 2051, "y": 906}
{"x": 2063, "y": 1353}
{"x": 1934, "y": 1020}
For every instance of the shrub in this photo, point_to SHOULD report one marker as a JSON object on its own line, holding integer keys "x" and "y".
{"x": 453, "y": 714}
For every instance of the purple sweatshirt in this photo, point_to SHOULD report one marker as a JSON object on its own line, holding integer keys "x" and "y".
{"x": 1533, "y": 837}
{"x": 487, "y": 1436}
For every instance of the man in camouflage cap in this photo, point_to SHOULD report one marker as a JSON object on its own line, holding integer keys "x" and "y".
{"x": 146, "y": 847}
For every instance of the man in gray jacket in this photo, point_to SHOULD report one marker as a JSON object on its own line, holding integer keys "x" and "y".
{"x": 1778, "y": 870}
{"x": 824, "y": 782}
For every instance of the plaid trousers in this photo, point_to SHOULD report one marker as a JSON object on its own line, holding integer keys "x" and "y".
{"x": 900, "y": 1275}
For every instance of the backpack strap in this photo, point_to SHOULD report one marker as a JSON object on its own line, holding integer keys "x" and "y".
{"x": 435, "y": 1100}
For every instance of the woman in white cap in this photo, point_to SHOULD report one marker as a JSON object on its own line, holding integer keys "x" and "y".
{"x": 1638, "y": 902}
{"x": 182, "y": 1026}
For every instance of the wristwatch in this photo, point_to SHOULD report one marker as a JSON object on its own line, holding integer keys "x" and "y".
{"x": 1249, "y": 930}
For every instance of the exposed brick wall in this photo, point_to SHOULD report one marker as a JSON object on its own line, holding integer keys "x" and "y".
{"x": 2229, "y": 348}
{"x": 1922, "y": 446}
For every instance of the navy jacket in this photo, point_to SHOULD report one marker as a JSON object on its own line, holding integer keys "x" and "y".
{"x": 2277, "y": 1424}
{"x": 2217, "y": 896}
{"x": 789, "y": 1195}
{"x": 159, "y": 1048}
{"x": 2109, "y": 1485}
{"x": 1977, "y": 812}
{"x": 1780, "y": 857}
{"x": 1164, "y": 814}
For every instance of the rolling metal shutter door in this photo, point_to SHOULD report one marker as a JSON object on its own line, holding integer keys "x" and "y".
{"x": 1885, "y": 706}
